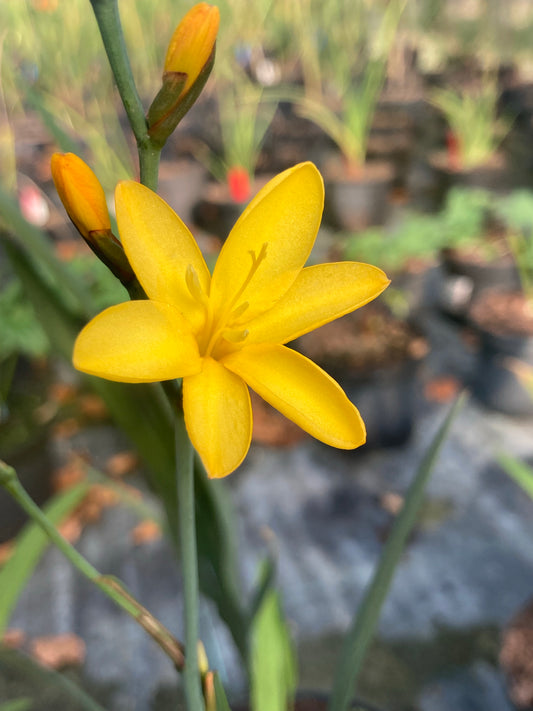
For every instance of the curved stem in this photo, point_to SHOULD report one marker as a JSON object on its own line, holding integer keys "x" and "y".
{"x": 187, "y": 533}
{"x": 110, "y": 586}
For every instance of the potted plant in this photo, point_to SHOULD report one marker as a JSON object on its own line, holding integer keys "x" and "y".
{"x": 357, "y": 189}
{"x": 244, "y": 118}
{"x": 409, "y": 252}
{"x": 472, "y": 156}
{"x": 503, "y": 318}
{"x": 475, "y": 253}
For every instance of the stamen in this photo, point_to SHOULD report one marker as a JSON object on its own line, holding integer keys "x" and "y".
{"x": 235, "y": 336}
{"x": 194, "y": 286}
{"x": 227, "y": 316}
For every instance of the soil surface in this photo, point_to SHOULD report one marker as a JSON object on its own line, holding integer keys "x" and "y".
{"x": 503, "y": 313}
{"x": 516, "y": 658}
{"x": 364, "y": 340}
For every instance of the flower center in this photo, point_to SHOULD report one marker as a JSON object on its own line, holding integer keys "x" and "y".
{"x": 224, "y": 325}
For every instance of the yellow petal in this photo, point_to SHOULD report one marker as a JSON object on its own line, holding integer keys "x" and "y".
{"x": 320, "y": 294}
{"x": 160, "y": 249}
{"x": 218, "y": 416}
{"x": 302, "y": 391}
{"x": 81, "y": 193}
{"x": 282, "y": 219}
{"x": 137, "y": 342}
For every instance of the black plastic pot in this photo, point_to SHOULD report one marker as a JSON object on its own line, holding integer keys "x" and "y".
{"x": 467, "y": 278}
{"x": 359, "y": 201}
{"x": 494, "y": 176}
{"x": 386, "y": 399}
{"x": 421, "y": 286}
{"x": 495, "y": 383}
{"x": 376, "y": 359}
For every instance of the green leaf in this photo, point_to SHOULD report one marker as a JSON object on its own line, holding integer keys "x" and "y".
{"x": 366, "y": 618}
{"x": 29, "y": 547}
{"x": 520, "y": 472}
{"x": 273, "y": 662}
{"x": 220, "y": 695}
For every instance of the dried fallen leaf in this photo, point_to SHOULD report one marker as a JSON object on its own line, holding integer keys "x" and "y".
{"x": 146, "y": 532}
{"x": 98, "y": 498}
{"x": 71, "y": 528}
{"x": 61, "y": 392}
{"x": 14, "y": 638}
{"x": 442, "y": 389}
{"x": 391, "y": 502}
{"x": 94, "y": 407}
{"x": 121, "y": 463}
{"x": 73, "y": 472}
{"x": 59, "y": 651}
{"x": 65, "y": 429}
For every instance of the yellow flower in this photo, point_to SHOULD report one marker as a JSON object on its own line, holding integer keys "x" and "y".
{"x": 225, "y": 332}
{"x": 192, "y": 43}
{"x": 81, "y": 193}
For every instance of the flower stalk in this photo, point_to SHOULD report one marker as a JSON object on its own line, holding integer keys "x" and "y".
{"x": 107, "y": 584}
{"x": 189, "y": 556}
{"x": 108, "y": 19}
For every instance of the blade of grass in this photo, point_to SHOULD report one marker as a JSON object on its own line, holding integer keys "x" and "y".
{"x": 272, "y": 659}
{"x": 366, "y": 619}
{"x": 520, "y": 472}
{"x": 221, "y": 700}
{"x": 29, "y": 547}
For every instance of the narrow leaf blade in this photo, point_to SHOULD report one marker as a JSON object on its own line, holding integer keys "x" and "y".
{"x": 367, "y": 616}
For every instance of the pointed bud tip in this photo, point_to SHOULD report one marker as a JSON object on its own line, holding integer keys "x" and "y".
{"x": 193, "y": 42}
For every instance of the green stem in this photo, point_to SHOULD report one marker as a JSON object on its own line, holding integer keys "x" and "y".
{"x": 108, "y": 19}
{"x": 107, "y": 584}
{"x": 149, "y": 157}
{"x": 187, "y": 533}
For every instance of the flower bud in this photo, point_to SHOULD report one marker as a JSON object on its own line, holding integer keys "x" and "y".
{"x": 84, "y": 200}
{"x": 81, "y": 194}
{"x": 188, "y": 63}
{"x": 193, "y": 42}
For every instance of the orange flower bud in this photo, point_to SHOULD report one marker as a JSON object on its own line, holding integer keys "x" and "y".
{"x": 81, "y": 194}
{"x": 193, "y": 42}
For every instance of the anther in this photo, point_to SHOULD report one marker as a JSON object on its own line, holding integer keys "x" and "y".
{"x": 235, "y": 336}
